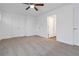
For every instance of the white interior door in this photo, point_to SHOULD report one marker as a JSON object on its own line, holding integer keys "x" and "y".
{"x": 76, "y": 26}
{"x": 51, "y": 20}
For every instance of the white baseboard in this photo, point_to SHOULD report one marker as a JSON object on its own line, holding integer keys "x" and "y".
{"x": 6, "y": 37}
{"x": 65, "y": 42}
{"x": 77, "y": 44}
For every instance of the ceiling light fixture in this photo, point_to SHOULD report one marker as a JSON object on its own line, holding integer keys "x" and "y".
{"x": 31, "y": 6}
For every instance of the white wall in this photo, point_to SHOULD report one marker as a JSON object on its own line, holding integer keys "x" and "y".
{"x": 12, "y": 25}
{"x": 42, "y": 26}
{"x": 64, "y": 24}
{"x": 30, "y": 25}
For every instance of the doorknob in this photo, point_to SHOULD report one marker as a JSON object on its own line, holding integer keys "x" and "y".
{"x": 75, "y": 28}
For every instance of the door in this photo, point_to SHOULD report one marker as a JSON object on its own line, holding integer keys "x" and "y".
{"x": 51, "y": 23}
{"x": 76, "y": 26}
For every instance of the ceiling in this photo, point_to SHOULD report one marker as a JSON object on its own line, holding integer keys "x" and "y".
{"x": 19, "y": 8}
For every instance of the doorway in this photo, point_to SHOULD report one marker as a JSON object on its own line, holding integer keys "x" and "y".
{"x": 51, "y": 26}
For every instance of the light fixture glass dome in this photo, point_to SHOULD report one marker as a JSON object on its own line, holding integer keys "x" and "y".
{"x": 31, "y": 6}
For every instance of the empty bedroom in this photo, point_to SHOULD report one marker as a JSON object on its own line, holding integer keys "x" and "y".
{"x": 39, "y": 29}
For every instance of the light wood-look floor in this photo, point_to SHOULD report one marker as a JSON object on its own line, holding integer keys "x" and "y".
{"x": 36, "y": 46}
